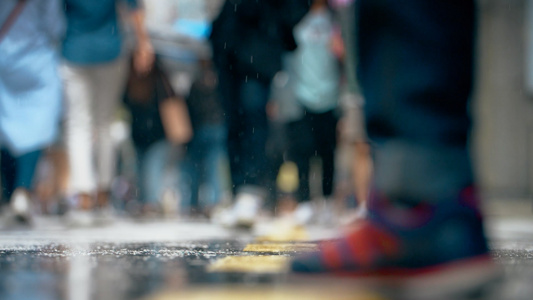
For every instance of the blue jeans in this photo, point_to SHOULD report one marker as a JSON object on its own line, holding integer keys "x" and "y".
{"x": 158, "y": 169}
{"x": 202, "y": 169}
{"x": 416, "y": 72}
{"x": 244, "y": 101}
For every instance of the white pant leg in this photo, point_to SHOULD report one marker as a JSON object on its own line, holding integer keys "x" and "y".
{"x": 78, "y": 127}
{"x": 109, "y": 86}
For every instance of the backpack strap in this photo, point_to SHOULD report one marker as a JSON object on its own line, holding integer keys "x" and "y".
{"x": 11, "y": 18}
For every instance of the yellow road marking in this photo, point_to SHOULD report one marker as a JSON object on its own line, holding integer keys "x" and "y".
{"x": 282, "y": 232}
{"x": 251, "y": 264}
{"x": 232, "y": 292}
{"x": 281, "y": 247}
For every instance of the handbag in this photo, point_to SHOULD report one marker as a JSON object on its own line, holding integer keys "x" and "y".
{"x": 173, "y": 112}
{"x": 176, "y": 120}
{"x": 11, "y": 18}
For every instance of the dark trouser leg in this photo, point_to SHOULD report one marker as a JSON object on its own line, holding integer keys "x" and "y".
{"x": 325, "y": 136}
{"x": 314, "y": 135}
{"x": 26, "y": 165}
{"x": 8, "y": 166}
{"x": 228, "y": 87}
{"x": 244, "y": 105}
{"x": 415, "y": 68}
{"x": 17, "y": 172}
{"x": 214, "y": 153}
{"x": 191, "y": 169}
{"x": 301, "y": 148}
{"x": 254, "y": 131}
{"x": 416, "y": 71}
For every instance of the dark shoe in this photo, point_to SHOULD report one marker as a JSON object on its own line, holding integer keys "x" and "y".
{"x": 424, "y": 251}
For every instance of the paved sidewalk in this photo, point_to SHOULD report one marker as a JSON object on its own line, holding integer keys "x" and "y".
{"x": 169, "y": 259}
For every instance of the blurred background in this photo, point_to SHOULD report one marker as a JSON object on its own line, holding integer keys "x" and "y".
{"x": 502, "y": 106}
{"x": 136, "y": 259}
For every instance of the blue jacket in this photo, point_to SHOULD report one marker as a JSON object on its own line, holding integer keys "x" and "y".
{"x": 30, "y": 86}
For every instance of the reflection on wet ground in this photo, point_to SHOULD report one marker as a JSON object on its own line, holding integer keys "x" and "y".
{"x": 58, "y": 264}
{"x": 122, "y": 271}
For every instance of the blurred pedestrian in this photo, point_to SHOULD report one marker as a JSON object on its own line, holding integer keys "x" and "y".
{"x": 30, "y": 93}
{"x": 144, "y": 97}
{"x": 248, "y": 39}
{"x": 94, "y": 73}
{"x": 315, "y": 69}
{"x": 416, "y": 72}
{"x": 352, "y": 133}
{"x": 206, "y": 153}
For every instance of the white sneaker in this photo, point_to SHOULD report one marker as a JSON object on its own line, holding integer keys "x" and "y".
{"x": 104, "y": 215}
{"x": 223, "y": 216}
{"x": 325, "y": 213}
{"x": 21, "y": 205}
{"x": 80, "y": 218}
{"x": 170, "y": 204}
{"x": 246, "y": 209}
{"x": 354, "y": 216}
{"x": 243, "y": 213}
{"x": 304, "y": 213}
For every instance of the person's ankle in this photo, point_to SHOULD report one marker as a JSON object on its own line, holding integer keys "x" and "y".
{"x": 85, "y": 201}
{"x": 102, "y": 198}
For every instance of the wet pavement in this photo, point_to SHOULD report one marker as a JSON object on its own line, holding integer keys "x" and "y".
{"x": 198, "y": 260}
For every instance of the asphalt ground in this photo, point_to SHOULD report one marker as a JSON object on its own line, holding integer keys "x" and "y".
{"x": 187, "y": 259}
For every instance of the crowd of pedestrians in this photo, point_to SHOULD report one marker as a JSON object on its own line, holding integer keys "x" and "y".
{"x": 198, "y": 146}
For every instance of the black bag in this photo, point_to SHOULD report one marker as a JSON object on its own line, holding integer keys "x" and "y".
{"x": 141, "y": 100}
{"x": 157, "y": 112}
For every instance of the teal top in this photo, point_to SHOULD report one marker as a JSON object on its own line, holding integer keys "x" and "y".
{"x": 313, "y": 65}
{"x": 93, "y": 33}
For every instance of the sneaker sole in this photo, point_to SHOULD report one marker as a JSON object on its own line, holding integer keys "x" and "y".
{"x": 458, "y": 279}
{"x": 454, "y": 280}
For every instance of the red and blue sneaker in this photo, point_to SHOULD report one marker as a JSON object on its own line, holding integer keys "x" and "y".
{"x": 423, "y": 251}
